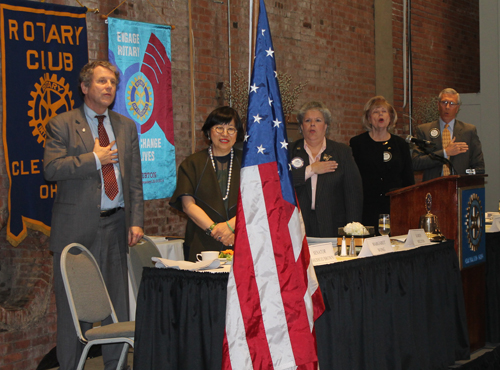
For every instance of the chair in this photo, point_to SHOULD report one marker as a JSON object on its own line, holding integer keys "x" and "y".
{"x": 89, "y": 302}
{"x": 138, "y": 258}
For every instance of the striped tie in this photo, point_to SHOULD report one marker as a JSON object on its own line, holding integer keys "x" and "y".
{"x": 108, "y": 171}
{"x": 446, "y": 142}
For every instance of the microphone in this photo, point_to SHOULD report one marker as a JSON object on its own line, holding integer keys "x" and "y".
{"x": 411, "y": 139}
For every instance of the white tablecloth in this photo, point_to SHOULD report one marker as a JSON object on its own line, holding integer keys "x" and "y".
{"x": 169, "y": 248}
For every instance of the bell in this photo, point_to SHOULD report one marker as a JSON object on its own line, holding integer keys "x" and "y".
{"x": 429, "y": 222}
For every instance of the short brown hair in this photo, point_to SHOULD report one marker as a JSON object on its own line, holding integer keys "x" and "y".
{"x": 87, "y": 72}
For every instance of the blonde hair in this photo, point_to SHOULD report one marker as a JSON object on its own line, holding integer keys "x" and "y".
{"x": 375, "y": 102}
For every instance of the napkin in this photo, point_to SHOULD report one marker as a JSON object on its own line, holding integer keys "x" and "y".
{"x": 185, "y": 265}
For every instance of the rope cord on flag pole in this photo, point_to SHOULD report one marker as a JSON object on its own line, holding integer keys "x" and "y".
{"x": 89, "y": 10}
{"x": 124, "y": 1}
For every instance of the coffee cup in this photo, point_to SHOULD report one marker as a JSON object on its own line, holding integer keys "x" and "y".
{"x": 207, "y": 256}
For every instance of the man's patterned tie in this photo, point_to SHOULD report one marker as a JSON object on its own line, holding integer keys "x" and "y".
{"x": 108, "y": 171}
{"x": 446, "y": 142}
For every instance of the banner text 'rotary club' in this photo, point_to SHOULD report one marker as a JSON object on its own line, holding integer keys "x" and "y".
{"x": 44, "y": 59}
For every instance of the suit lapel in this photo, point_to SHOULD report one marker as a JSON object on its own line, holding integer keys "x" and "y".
{"x": 301, "y": 153}
{"x": 330, "y": 151}
{"x": 458, "y": 130}
{"x": 83, "y": 129}
{"x": 439, "y": 140}
{"x": 120, "y": 140}
{"x": 457, "y": 134}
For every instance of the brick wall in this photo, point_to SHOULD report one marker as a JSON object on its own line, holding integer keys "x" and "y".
{"x": 445, "y": 49}
{"x": 329, "y": 43}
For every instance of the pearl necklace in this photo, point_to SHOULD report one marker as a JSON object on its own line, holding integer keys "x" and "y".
{"x": 230, "y": 170}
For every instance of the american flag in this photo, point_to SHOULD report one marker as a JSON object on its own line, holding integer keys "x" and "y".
{"x": 273, "y": 297}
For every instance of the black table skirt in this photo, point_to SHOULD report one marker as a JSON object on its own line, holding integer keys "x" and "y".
{"x": 397, "y": 311}
{"x": 493, "y": 287}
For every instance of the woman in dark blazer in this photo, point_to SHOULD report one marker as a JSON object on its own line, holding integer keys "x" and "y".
{"x": 325, "y": 176}
{"x": 383, "y": 159}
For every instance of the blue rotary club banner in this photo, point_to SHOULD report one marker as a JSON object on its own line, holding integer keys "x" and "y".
{"x": 141, "y": 51}
{"x": 44, "y": 46}
{"x": 473, "y": 233}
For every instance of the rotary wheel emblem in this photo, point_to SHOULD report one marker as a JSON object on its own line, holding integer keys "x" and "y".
{"x": 51, "y": 97}
{"x": 474, "y": 222}
{"x": 140, "y": 97}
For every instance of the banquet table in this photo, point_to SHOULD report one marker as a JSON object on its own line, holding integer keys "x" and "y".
{"x": 402, "y": 310}
{"x": 171, "y": 249}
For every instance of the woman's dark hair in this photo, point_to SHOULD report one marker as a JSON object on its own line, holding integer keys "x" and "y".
{"x": 223, "y": 116}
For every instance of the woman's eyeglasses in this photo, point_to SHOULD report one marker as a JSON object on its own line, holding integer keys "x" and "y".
{"x": 220, "y": 130}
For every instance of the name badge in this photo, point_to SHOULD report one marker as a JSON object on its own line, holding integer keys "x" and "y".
{"x": 297, "y": 162}
{"x": 376, "y": 246}
{"x": 322, "y": 253}
{"x": 416, "y": 238}
{"x": 434, "y": 133}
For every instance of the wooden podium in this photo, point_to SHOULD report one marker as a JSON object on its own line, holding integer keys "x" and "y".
{"x": 458, "y": 202}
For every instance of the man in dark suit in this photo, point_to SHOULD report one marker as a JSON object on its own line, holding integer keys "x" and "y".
{"x": 93, "y": 154}
{"x": 453, "y": 139}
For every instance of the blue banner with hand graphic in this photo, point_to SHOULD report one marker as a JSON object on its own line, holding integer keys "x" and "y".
{"x": 141, "y": 52}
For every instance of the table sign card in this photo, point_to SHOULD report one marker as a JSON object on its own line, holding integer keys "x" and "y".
{"x": 376, "y": 246}
{"x": 489, "y": 216}
{"x": 322, "y": 253}
{"x": 165, "y": 263}
{"x": 416, "y": 238}
{"x": 495, "y": 224}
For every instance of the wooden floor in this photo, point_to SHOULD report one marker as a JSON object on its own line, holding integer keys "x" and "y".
{"x": 96, "y": 363}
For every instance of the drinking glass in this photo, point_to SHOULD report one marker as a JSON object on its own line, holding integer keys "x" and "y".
{"x": 384, "y": 224}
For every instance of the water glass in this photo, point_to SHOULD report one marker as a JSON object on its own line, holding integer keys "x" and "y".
{"x": 384, "y": 224}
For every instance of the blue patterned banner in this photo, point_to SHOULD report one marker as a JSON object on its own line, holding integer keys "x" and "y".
{"x": 473, "y": 227}
{"x": 44, "y": 46}
{"x": 141, "y": 51}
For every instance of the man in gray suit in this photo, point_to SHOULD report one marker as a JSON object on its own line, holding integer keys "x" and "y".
{"x": 93, "y": 154}
{"x": 462, "y": 149}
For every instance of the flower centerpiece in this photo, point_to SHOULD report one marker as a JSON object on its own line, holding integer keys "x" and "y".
{"x": 357, "y": 230}
{"x": 228, "y": 254}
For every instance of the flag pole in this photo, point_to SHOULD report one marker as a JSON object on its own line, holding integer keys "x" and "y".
{"x": 273, "y": 296}
{"x": 252, "y": 34}
{"x": 191, "y": 80}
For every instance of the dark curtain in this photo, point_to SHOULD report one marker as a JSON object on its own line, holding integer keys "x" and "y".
{"x": 493, "y": 287}
{"x": 397, "y": 311}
